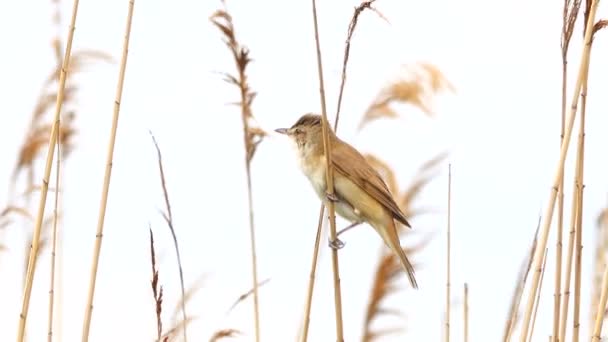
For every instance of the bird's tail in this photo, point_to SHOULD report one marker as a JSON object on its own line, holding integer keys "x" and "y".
{"x": 391, "y": 239}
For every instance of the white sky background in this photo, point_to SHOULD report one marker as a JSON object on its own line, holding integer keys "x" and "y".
{"x": 501, "y": 128}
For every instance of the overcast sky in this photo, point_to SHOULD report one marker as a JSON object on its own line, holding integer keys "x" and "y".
{"x": 501, "y": 128}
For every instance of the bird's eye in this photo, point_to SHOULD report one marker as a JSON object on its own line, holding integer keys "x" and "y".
{"x": 298, "y": 131}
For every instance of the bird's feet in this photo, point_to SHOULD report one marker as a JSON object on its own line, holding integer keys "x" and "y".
{"x": 336, "y": 244}
{"x": 332, "y": 197}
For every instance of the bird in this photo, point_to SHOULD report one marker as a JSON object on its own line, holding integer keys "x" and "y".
{"x": 360, "y": 194}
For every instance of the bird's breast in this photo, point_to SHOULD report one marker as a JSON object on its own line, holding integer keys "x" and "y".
{"x": 314, "y": 169}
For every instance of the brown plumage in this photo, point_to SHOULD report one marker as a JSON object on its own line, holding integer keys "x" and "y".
{"x": 360, "y": 193}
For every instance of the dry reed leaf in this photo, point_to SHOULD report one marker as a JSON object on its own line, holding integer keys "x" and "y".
{"x": 600, "y": 24}
{"x": 20, "y": 211}
{"x": 224, "y": 333}
{"x": 388, "y": 272}
{"x": 418, "y": 88}
{"x": 189, "y": 294}
{"x": 78, "y": 61}
{"x": 519, "y": 287}
{"x": 433, "y": 162}
{"x": 178, "y": 328}
{"x": 247, "y": 294}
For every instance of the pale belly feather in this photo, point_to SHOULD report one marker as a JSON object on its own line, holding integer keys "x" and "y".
{"x": 316, "y": 176}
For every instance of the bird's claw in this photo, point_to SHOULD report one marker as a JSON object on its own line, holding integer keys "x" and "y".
{"x": 332, "y": 197}
{"x": 336, "y": 244}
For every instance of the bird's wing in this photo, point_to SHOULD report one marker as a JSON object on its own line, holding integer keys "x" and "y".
{"x": 365, "y": 177}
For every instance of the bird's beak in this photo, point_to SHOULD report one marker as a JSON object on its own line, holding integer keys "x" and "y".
{"x": 281, "y": 130}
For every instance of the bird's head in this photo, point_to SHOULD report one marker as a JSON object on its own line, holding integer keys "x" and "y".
{"x": 306, "y": 131}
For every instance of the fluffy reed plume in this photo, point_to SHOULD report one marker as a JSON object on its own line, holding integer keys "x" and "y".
{"x": 168, "y": 217}
{"x": 157, "y": 290}
{"x": 519, "y": 288}
{"x": 107, "y": 175}
{"x": 252, "y": 136}
{"x": 303, "y": 335}
{"x": 559, "y": 175}
{"x": 417, "y": 87}
{"x": 389, "y": 270}
{"x": 386, "y": 279}
{"x": 569, "y": 16}
{"x": 599, "y": 263}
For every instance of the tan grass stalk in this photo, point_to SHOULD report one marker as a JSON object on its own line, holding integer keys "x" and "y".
{"x": 311, "y": 282}
{"x": 303, "y": 335}
{"x": 519, "y": 288}
{"x": 51, "y": 308}
{"x": 579, "y": 184}
{"x": 601, "y": 309}
{"x": 251, "y": 136}
{"x": 54, "y": 242}
{"x": 558, "y": 176}
{"x": 466, "y": 313}
{"x": 569, "y": 16}
{"x": 168, "y": 216}
{"x": 448, "y": 259}
{"x": 579, "y": 216}
{"x": 537, "y": 304}
{"x": 568, "y": 276}
{"x": 330, "y": 183}
{"x": 31, "y": 269}
{"x": 107, "y": 176}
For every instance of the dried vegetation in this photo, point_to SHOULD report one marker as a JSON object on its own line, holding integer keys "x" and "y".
{"x": 417, "y": 87}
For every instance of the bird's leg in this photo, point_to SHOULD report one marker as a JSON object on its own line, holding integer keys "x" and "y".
{"x": 337, "y": 243}
{"x": 351, "y": 226}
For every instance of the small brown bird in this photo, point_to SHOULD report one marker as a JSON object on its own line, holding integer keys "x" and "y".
{"x": 360, "y": 194}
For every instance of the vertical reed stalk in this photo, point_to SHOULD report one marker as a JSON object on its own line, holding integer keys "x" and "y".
{"x": 107, "y": 176}
{"x": 466, "y": 312}
{"x": 580, "y": 161}
{"x": 448, "y": 254}
{"x": 54, "y": 242}
{"x": 330, "y": 183}
{"x": 311, "y": 282}
{"x": 568, "y": 276}
{"x": 560, "y": 199}
{"x": 31, "y": 267}
{"x": 537, "y": 304}
{"x": 558, "y": 175}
